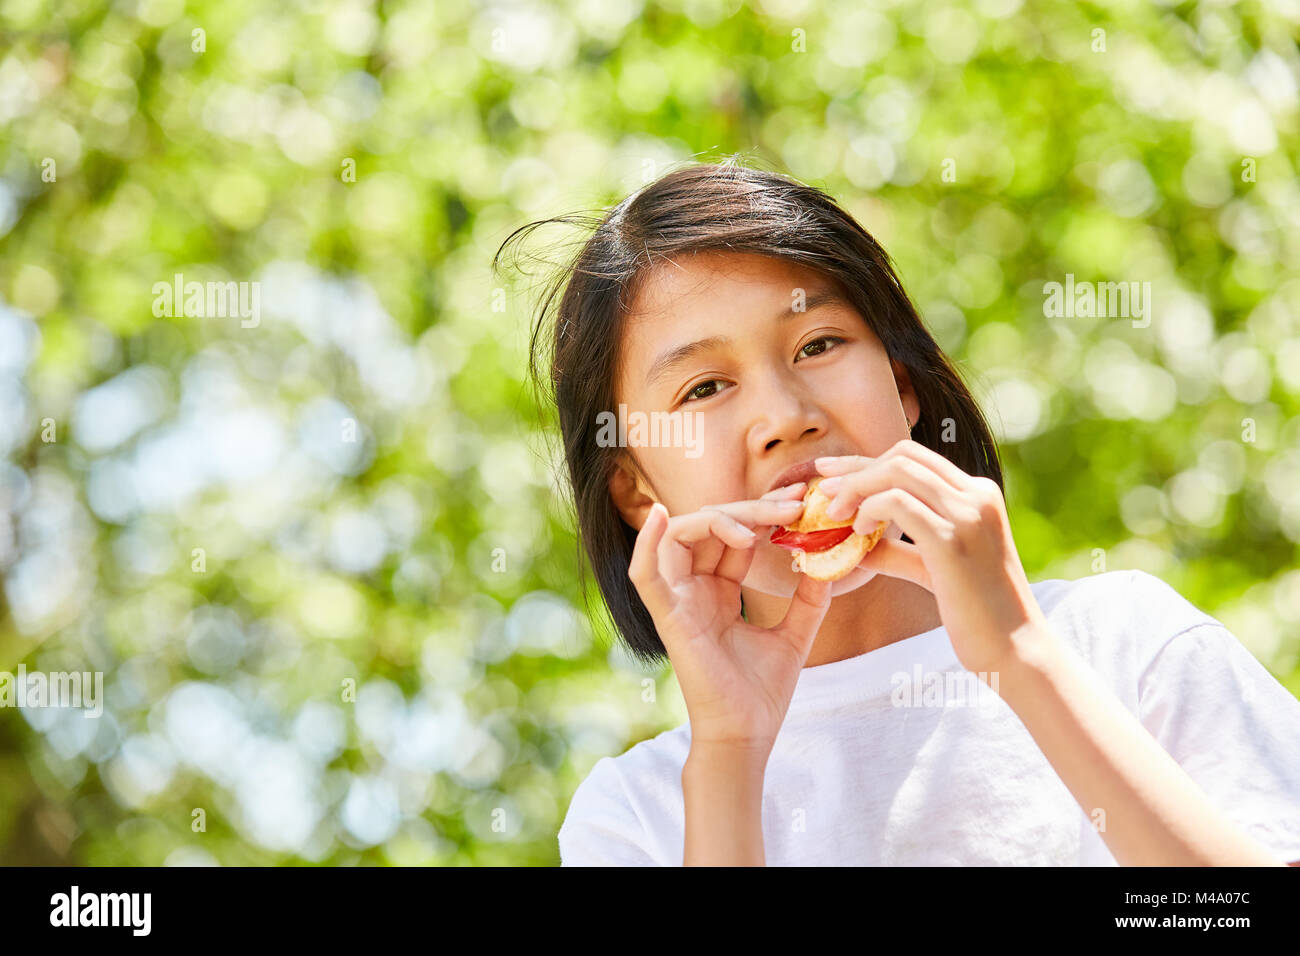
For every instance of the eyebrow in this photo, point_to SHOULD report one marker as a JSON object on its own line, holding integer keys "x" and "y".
{"x": 674, "y": 357}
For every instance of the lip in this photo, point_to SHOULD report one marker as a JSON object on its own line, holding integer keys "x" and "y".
{"x": 803, "y": 471}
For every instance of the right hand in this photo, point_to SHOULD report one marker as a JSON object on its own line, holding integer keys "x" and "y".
{"x": 737, "y": 679}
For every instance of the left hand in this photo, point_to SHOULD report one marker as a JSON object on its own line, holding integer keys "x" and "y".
{"x": 963, "y": 552}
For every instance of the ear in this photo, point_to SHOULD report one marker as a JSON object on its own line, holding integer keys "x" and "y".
{"x": 630, "y": 492}
{"x": 906, "y": 393}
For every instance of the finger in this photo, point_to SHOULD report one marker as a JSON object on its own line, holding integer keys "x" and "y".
{"x": 685, "y": 531}
{"x": 643, "y": 568}
{"x": 847, "y": 492}
{"x": 706, "y": 554}
{"x": 920, "y": 523}
{"x": 778, "y": 505}
{"x": 789, "y": 505}
{"x": 706, "y": 545}
{"x": 786, "y": 491}
{"x": 808, "y": 607}
{"x": 943, "y": 467}
{"x": 762, "y": 512}
{"x": 735, "y": 563}
{"x": 719, "y": 559}
{"x": 898, "y": 559}
{"x": 841, "y": 464}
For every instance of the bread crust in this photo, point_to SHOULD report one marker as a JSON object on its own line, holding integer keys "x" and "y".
{"x": 813, "y": 517}
{"x": 833, "y": 563}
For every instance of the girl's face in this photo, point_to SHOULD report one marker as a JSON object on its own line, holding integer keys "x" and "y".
{"x": 773, "y": 367}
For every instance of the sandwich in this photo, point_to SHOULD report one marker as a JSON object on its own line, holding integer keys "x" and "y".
{"x": 824, "y": 549}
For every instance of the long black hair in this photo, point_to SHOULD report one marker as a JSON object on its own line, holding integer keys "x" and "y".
{"x": 721, "y": 206}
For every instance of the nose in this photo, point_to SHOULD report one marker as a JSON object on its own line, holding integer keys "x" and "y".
{"x": 783, "y": 412}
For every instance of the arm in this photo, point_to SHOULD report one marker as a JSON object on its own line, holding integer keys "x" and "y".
{"x": 1155, "y": 814}
{"x": 722, "y": 789}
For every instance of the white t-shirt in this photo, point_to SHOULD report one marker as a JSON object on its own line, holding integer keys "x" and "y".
{"x": 854, "y": 779}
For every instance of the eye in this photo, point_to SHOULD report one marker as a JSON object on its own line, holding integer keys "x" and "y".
{"x": 694, "y": 393}
{"x": 824, "y": 338}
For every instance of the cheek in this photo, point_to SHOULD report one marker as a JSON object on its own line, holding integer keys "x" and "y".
{"x": 701, "y": 461}
{"x": 690, "y": 475}
{"x": 865, "y": 391}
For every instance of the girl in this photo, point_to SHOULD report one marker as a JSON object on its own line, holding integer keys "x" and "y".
{"x": 932, "y": 707}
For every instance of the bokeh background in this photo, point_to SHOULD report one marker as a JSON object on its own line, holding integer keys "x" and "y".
{"x": 324, "y": 562}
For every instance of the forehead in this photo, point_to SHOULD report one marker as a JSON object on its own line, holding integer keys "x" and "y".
{"x": 694, "y": 286}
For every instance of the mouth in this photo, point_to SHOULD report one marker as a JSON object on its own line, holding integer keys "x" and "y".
{"x": 804, "y": 471}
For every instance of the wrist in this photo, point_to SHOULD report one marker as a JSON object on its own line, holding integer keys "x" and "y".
{"x": 745, "y": 757}
{"x": 1036, "y": 656}
{"x": 722, "y": 794}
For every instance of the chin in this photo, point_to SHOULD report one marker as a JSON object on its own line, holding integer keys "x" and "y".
{"x": 851, "y": 581}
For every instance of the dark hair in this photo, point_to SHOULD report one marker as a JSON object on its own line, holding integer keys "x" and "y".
{"x": 714, "y": 206}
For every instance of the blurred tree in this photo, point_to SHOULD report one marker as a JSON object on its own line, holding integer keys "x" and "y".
{"x": 264, "y": 524}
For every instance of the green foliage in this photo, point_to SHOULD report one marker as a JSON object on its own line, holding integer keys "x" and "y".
{"x": 248, "y": 523}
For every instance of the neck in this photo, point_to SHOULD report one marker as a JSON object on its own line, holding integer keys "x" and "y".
{"x": 883, "y": 611}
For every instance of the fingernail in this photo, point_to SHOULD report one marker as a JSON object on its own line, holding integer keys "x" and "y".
{"x": 789, "y": 504}
{"x": 823, "y": 459}
{"x": 829, "y": 485}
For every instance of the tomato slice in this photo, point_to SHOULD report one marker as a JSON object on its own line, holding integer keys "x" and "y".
{"x": 810, "y": 541}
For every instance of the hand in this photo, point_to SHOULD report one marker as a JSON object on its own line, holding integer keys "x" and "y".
{"x": 737, "y": 679}
{"x": 963, "y": 552}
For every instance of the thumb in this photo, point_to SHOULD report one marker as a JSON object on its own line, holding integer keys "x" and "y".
{"x": 808, "y": 607}
{"x": 897, "y": 559}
